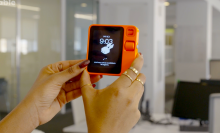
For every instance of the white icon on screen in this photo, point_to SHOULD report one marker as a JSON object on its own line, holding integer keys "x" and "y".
{"x": 106, "y": 49}
{"x": 110, "y": 45}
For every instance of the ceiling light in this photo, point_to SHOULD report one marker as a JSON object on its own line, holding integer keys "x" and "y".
{"x": 83, "y": 5}
{"x": 31, "y": 8}
{"x": 85, "y": 16}
{"x": 166, "y": 3}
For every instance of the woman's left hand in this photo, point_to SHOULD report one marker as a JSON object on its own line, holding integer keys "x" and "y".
{"x": 56, "y": 85}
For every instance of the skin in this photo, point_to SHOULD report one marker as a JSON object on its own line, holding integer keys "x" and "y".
{"x": 113, "y": 109}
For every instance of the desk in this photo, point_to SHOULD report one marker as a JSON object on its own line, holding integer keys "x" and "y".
{"x": 141, "y": 127}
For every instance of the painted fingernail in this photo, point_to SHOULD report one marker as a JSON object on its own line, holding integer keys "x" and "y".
{"x": 94, "y": 85}
{"x": 101, "y": 76}
{"x": 84, "y": 64}
{"x": 140, "y": 53}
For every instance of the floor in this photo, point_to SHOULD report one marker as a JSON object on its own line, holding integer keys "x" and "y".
{"x": 60, "y": 121}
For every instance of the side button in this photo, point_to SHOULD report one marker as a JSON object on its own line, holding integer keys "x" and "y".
{"x": 129, "y": 46}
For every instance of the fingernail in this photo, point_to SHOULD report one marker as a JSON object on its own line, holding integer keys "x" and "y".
{"x": 94, "y": 85}
{"x": 101, "y": 76}
{"x": 140, "y": 53}
{"x": 84, "y": 64}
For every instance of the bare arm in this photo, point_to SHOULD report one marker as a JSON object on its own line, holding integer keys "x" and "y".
{"x": 23, "y": 119}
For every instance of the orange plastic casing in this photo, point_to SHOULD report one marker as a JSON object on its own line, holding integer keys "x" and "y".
{"x": 130, "y": 51}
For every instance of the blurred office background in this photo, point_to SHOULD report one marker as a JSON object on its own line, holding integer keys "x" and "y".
{"x": 39, "y": 32}
{"x": 31, "y": 37}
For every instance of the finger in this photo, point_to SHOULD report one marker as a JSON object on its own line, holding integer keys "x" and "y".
{"x": 138, "y": 97}
{"x": 62, "y": 65}
{"x": 70, "y": 86}
{"x": 123, "y": 80}
{"x": 62, "y": 77}
{"x": 94, "y": 78}
{"x": 73, "y": 95}
{"x": 137, "y": 87}
{"x": 84, "y": 83}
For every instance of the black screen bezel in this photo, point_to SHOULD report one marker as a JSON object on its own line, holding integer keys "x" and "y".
{"x": 93, "y": 69}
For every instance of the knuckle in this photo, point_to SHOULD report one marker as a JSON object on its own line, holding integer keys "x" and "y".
{"x": 117, "y": 92}
{"x": 48, "y": 69}
{"x": 74, "y": 69}
{"x": 142, "y": 77}
{"x": 129, "y": 101}
{"x": 45, "y": 68}
{"x": 60, "y": 66}
{"x": 71, "y": 70}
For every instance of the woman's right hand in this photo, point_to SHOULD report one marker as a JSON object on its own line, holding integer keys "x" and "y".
{"x": 115, "y": 108}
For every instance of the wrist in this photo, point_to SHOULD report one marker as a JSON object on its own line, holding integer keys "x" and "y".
{"x": 31, "y": 111}
{"x": 22, "y": 119}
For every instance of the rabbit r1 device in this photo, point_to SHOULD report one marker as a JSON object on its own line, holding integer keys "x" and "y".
{"x": 111, "y": 48}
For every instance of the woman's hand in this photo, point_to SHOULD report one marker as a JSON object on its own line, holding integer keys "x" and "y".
{"x": 115, "y": 108}
{"x": 56, "y": 85}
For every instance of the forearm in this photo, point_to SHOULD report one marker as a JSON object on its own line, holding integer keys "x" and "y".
{"x": 23, "y": 119}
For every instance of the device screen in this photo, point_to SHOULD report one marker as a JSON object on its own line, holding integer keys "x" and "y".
{"x": 105, "y": 49}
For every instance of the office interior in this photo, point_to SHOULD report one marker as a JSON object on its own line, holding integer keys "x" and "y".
{"x": 179, "y": 39}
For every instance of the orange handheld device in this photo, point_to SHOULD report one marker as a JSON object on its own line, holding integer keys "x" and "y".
{"x": 111, "y": 48}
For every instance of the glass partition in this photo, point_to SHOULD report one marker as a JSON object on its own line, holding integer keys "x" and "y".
{"x": 30, "y": 38}
{"x": 40, "y": 39}
{"x": 80, "y": 15}
{"x": 7, "y": 57}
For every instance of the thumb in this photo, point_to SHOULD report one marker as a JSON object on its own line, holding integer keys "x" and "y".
{"x": 85, "y": 83}
{"x": 71, "y": 72}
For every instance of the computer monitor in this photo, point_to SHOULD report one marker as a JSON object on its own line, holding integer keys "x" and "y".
{"x": 210, "y": 82}
{"x": 215, "y": 69}
{"x": 192, "y": 100}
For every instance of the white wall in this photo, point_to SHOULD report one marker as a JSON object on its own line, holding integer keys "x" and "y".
{"x": 193, "y": 40}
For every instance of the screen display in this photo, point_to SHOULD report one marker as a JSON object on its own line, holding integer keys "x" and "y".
{"x": 105, "y": 49}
